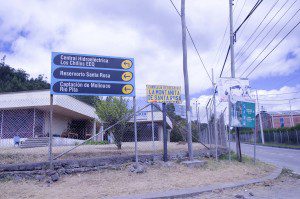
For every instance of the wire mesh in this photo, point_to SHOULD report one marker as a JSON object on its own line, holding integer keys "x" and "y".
{"x": 91, "y": 127}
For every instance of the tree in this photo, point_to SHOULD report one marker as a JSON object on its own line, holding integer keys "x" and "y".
{"x": 177, "y": 133}
{"x": 111, "y": 110}
{"x": 13, "y": 80}
{"x": 90, "y": 100}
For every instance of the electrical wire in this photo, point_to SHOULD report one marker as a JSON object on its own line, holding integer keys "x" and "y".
{"x": 267, "y": 34}
{"x": 249, "y": 15}
{"x": 273, "y": 49}
{"x": 280, "y": 93}
{"x": 241, "y": 25}
{"x": 256, "y": 29}
{"x": 189, "y": 33}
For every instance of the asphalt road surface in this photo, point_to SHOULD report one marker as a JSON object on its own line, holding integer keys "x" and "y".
{"x": 288, "y": 158}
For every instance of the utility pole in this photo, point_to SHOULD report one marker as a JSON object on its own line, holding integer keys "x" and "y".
{"x": 260, "y": 121}
{"x": 215, "y": 112}
{"x": 186, "y": 82}
{"x": 291, "y": 116}
{"x": 232, "y": 38}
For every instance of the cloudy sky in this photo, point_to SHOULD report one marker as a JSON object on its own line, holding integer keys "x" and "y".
{"x": 150, "y": 32}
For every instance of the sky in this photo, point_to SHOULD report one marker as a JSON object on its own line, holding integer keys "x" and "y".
{"x": 150, "y": 32}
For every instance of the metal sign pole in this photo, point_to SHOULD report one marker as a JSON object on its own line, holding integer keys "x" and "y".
{"x": 165, "y": 134}
{"x": 135, "y": 133}
{"x": 229, "y": 140}
{"x": 153, "y": 134}
{"x": 254, "y": 159}
{"x": 51, "y": 133}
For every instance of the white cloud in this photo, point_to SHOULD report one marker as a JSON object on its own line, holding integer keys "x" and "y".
{"x": 148, "y": 31}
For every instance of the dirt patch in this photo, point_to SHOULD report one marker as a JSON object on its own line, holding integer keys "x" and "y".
{"x": 40, "y": 154}
{"x": 158, "y": 177}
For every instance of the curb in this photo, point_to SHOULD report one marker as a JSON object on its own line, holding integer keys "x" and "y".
{"x": 281, "y": 147}
{"x": 189, "y": 192}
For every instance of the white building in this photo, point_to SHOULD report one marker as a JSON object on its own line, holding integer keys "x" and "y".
{"x": 26, "y": 114}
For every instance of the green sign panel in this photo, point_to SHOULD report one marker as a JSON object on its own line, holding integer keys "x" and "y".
{"x": 243, "y": 114}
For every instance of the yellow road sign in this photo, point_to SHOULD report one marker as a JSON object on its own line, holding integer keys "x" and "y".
{"x": 126, "y": 64}
{"x": 163, "y": 94}
{"x": 126, "y": 76}
{"x": 127, "y": 89}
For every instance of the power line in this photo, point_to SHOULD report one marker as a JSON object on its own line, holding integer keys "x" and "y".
{"x": 245, "y": 20}
{"x": 257, "y": 28}
{"x": 219, "y": 51}
{"x": 270, "y": 43}
{"x": 192, "y": 42}
{"x": 273, "y": 49}
{"x": 277, "y": 100}
{"x": 224, "y": 62}
{"x": 280, "y": 93}
{"x": 249, "y": 15}
{"x": 289, "y": 80}
{"x": 240, "y": 13}
{"x": 267, "y": 34}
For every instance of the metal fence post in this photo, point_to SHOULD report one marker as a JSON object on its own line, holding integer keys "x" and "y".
{"x": 135, "y": 132}
{"x": 51, "y": 133}
{"x": 297, "y": 137}
{"x": 280, "y": 137}
{"x": 254, "y": 159}
{"x": 2, "y": 118}
{"x": 153, "y": 134}
{"x": 165, "y": 134}
{"x": 229, "y": 139}
{"x": 287, "y": 133}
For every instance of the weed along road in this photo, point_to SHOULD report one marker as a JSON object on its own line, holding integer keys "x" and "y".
{"x": 289, "y": 158}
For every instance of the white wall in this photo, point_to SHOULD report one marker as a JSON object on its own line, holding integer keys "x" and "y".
{"x": 60, "y": 124}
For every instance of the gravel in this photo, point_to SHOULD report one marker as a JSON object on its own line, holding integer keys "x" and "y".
{"x": 158, "y": 177}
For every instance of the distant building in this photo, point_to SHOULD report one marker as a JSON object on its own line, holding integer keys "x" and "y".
{"x": 285, "y": 118}
{"x": 27, "y": 115}
{"x": 278, "y": 119}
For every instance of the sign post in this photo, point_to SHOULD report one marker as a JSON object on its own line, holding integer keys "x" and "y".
{"x": 153, "y": 133}
{"x": 163, "y": 94}
{"x": 80, "y": 74}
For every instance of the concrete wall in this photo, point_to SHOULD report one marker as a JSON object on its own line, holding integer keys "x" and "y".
{"x": 60, "y": 124}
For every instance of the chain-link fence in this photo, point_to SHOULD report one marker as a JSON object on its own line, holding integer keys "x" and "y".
{"x": 281, "y": 137}
{"x": 91, "y": 129}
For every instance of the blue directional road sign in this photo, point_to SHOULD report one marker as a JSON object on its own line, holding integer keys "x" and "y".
{"x": 78, "y": 74}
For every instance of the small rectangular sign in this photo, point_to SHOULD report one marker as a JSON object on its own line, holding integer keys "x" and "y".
{"x": 78, "y": 74}
{"x": 243, "y": 114}
{"x": 163, "y": 94}
{"x": 233, "y": 88}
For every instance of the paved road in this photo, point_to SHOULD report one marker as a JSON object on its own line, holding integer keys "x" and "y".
{"x": 289, "y": 158}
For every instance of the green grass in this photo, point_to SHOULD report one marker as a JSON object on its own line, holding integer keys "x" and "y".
{"x": 91, "y": 142}
{"x": 281, "y": 145}
{"x": 272, "y": 144}
{"x": 245, "y": 159}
